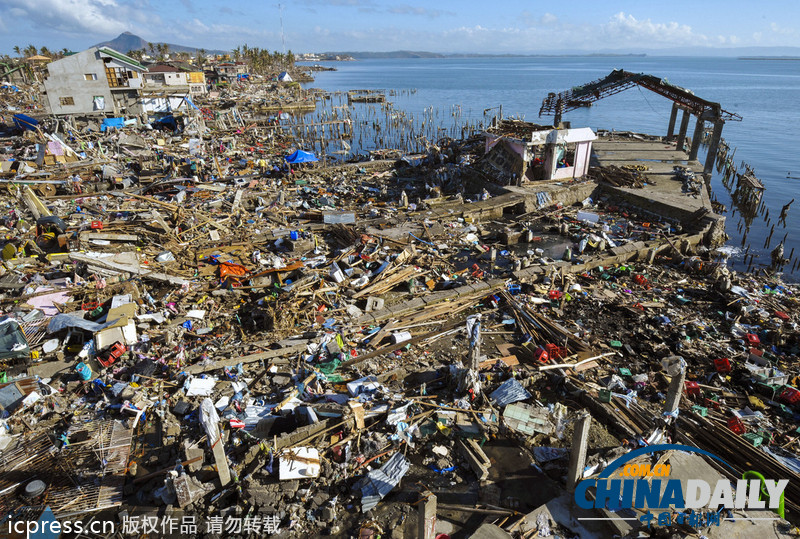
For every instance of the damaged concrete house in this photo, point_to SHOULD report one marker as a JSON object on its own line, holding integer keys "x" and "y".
{"x": 527, "y": 151}
{"x": 167, "y": 85}
{"x": 97, "y": 80}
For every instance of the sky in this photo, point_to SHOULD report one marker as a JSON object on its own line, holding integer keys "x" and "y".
{"x": 513, "y": 26}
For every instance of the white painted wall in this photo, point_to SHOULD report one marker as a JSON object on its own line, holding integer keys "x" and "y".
{"x": 67, "y": 78}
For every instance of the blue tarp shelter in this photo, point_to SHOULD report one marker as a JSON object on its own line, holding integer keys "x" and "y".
{"x": 119, "y": 123}
{"x": 301, "y": 157}
{"x": 25, "y": 122}
{"x": 167, "y": 121}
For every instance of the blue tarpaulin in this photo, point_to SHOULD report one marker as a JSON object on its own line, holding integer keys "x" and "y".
{"x": 119, "y": 123}
{"x": 25, "y": 122}
{"x": 301, "y": 157}
{"x": 168, "y": 121}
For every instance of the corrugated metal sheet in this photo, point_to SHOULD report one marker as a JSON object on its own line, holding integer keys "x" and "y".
{"x": 508, "y": 392}
{"x": 35, "y": 330}
{"x": 378, "y": 483}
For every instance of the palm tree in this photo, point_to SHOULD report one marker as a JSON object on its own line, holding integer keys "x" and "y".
{"x": 44, "y": 51}
{"x": 152, "y": 47}
{"x": 30, "y": 50}
{"x": 237, "y": 53}
{"x": 290, "y": 58}
{"x": 17, "y": 50}
{"x": 201, "y": 57}
{"x": 166, "y": 49}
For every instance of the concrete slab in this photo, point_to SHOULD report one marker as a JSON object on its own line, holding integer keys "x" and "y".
{"x": 564, "y": 511}
{"x": 661, "y": 157}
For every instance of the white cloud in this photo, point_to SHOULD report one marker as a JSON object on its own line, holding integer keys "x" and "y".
{"x": 782, "y": 30}
{"x": 76, "y": 16}
{"x": 548, "y": 18}
{"x": 626, "y": 30}
{"x": 406, "y": 9}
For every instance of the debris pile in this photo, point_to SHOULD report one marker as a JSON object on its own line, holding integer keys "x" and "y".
{"x": 625, "y": 176}
{"x": 199, "y": 315}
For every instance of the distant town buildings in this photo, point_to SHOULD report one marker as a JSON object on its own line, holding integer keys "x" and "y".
{"x": 105, "y": 82}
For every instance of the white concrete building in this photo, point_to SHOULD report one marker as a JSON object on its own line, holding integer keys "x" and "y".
{"x": 98, "y": 80}
{"x": 167, "y": 88}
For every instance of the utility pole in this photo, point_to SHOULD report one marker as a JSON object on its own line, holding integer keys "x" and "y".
{"x": 283, "y": 37}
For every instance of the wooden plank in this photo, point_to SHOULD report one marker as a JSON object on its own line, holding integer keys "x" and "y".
{"x": 134, "y": 270}
{"x": 510, "y": 361}
{"x": 379, "y": 336}
{"x": 109, "y": 236}
{"x": 269, "y": 354}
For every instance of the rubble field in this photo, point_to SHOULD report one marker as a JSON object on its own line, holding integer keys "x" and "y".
{"x": 202, "y": 321}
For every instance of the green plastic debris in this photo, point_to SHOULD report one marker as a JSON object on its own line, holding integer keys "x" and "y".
{"x": 753, "y": 438}
{"x": 329, "y": 367}
{"x": 615, "y": 344}
{"x": 700, "y": 410}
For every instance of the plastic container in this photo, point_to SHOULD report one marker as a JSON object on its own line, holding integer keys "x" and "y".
{"x": 84, "y": 370}
{"x": 752, "y": 339}
{"x": 722, "y": 364}
{"x": 693, "y": 389}
{"x": 789, "y": 395}
{"x": 736, "y": 425}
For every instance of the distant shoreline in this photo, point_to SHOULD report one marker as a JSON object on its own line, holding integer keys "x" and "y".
{"x": 365, "y": 55}
{"x": 769, "y": 58}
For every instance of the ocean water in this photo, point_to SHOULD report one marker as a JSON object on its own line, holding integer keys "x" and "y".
{"x": 766, "y": 93}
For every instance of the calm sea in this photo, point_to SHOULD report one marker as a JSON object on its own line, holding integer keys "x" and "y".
{"x": 766, "y": 93}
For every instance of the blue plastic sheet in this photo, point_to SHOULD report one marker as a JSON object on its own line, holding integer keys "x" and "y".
{"x": 301, "y": 157}
{"x": 25, "y": 122}
{"x": 118, "y": 123}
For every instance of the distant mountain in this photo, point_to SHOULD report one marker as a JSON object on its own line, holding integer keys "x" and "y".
{"x": 127, "y": 41}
